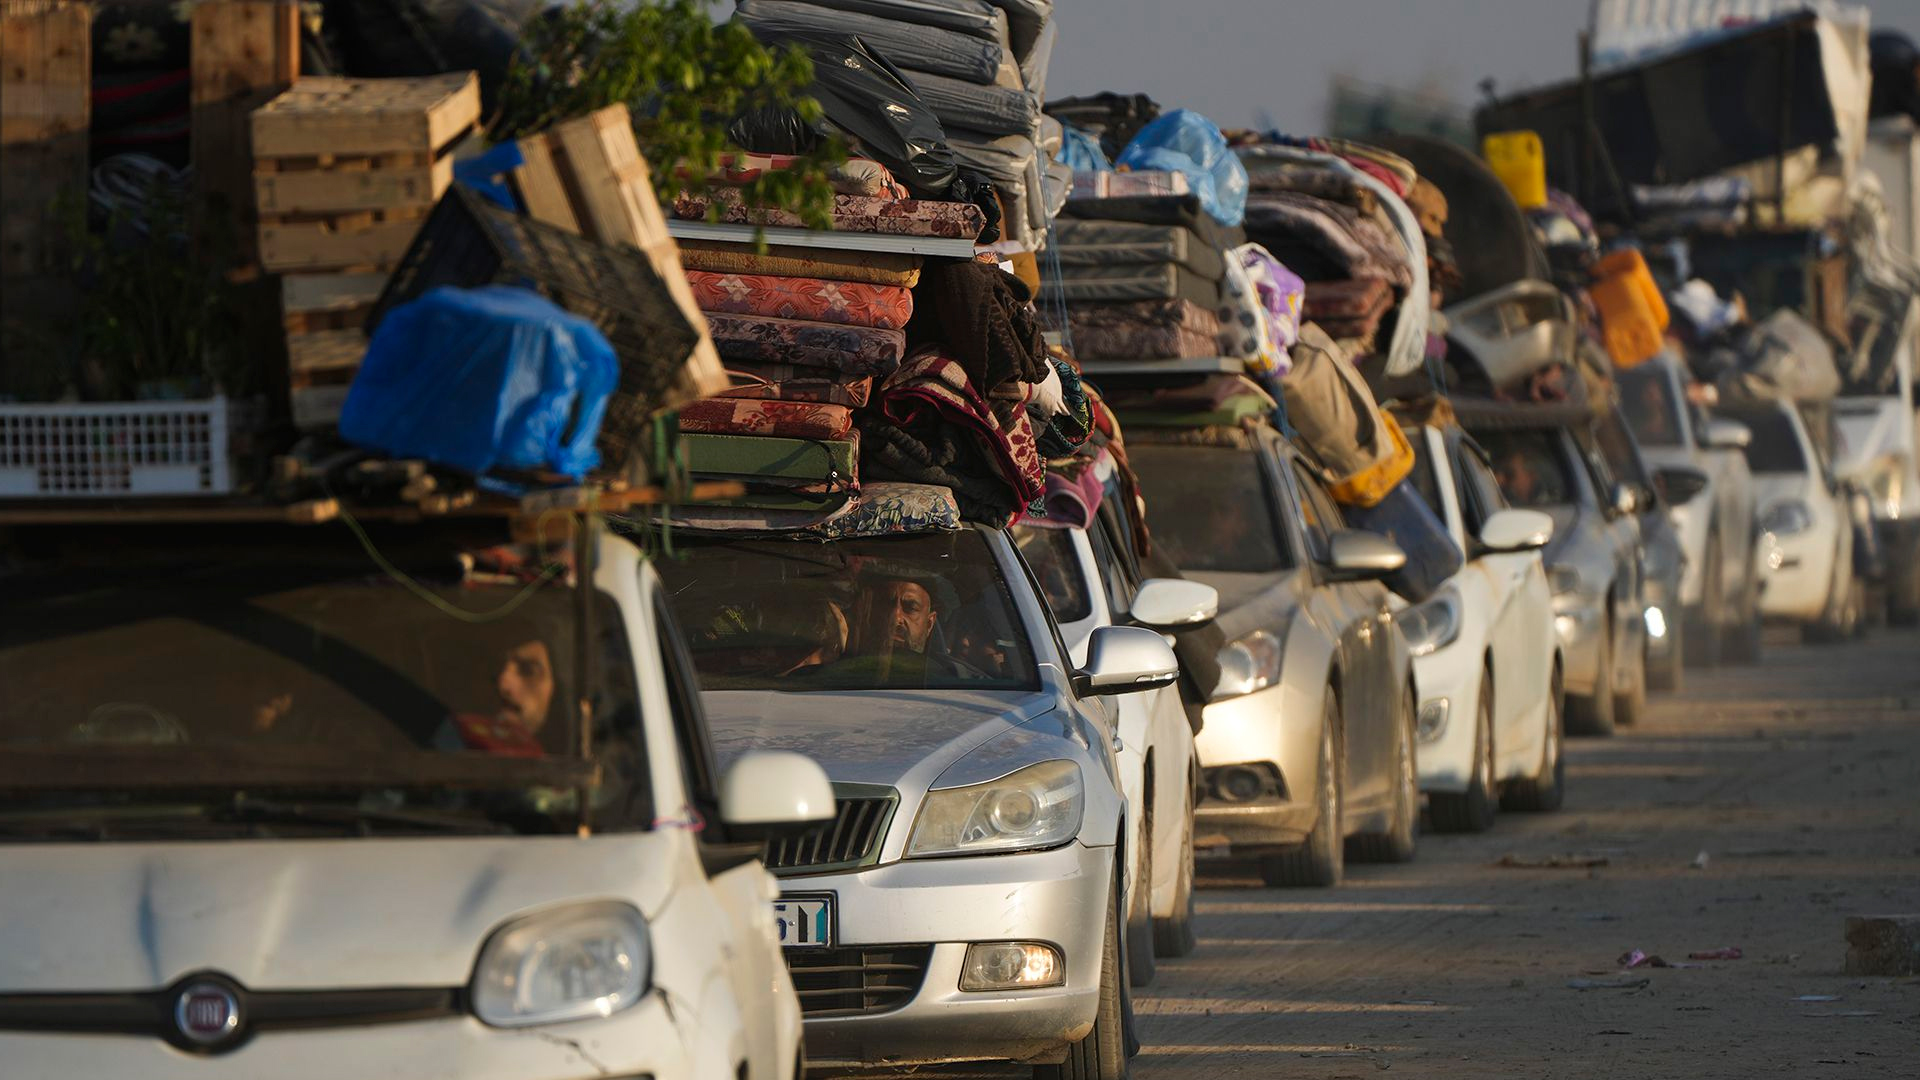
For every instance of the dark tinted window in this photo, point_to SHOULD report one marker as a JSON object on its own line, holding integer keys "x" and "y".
{"x": 1423, "y": 478}
{"x": 1318, "y": 515}
{"x": 1531, "y": 465}
{"x": 1647, "y": 399}
{"x": 1049, "y": 554}
{"x": 1775, "y": 447}
{"x": 1482, "y": 492}
{"x": 1210, "y": 508}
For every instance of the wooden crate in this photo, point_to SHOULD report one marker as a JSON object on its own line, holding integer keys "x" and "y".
{"x": 244, "y": 52}
{"x": 327, "y": 183}
{"x": 329, "y": 116}
{"x": 324, "y": 315}
{"x": 45, "y": 85}
{"x": 372, "y": 239}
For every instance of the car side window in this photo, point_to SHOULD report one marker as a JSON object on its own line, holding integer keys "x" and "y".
{"x": 1482, "y": 489}
{"x": 1597, "y": 469}
{"x": 1113, "y": 569}
{"x": 697, "y": 762}
{"x": 1318, "y": 514}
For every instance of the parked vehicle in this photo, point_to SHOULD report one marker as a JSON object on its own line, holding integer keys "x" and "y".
{"x": 1545, "y": 459}
{"x": 1307, "y": 742}
{"x": 1663, "y": 559}
{"x": 1878, "y": 417}
{"x": 1806, "y": 531}
{"x": 972, "y": 761}
{"x": 265, "y": 800}
{"x": 1719, "y": 596}
{"x": 1486, "y": 662}
{"x": 1090, "y": 580}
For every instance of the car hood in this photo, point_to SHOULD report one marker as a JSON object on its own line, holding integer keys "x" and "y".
{"x": 867, "y": 736}
{"x": 1250, "y": 602}
{"x": 295, "y": 914}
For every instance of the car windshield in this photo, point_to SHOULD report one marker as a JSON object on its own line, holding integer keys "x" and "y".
{"x": 1775, "y": 446}
{"x": 204, "y": 669}
{"x": 1531, "y": 465}
{"x": 1050, "y": 555}
{"x": 1648, "y": 402}
{"x": 929, "y": 611}
{"x": 1209, "y": 508}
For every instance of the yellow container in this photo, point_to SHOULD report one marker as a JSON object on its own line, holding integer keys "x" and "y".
{"x": 1520, "y": 162}
{"x": 1368, "y": 486}
{"x": 1633, "y": 314}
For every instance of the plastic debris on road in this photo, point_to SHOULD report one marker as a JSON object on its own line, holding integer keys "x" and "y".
{"x": 1730, "y": 952}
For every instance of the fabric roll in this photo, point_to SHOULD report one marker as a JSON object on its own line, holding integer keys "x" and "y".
{"x": 791, "y": 382}
{"x": 934, "y": 427}
{"x": 1144, "y": 330}
{"x": 983, "y": 319}
{"x": 873, "y": 268}
{"x": 886, "y": 307}
{"x": 852, "y": 350}
{"x": 787, "y": 419}
{"x": 851, "y": 213}
{"x": 923, "y": 48}
{"x": 1346, "y": 299}
{"x": 889, "y": 507}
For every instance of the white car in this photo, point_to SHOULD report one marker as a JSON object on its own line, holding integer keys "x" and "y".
{"x": 1486, "y": 659}
{"x": 1091, "y": 580}
{"x": 299, "y": 820}
{"x": 1805, "y": 551}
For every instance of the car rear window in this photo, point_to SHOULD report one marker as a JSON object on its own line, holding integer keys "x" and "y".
{"x": 1775, "y": 446}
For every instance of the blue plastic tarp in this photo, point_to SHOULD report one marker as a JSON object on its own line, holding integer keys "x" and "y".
{"x": 1081, "y": 152}
{"x": 486, "y": 378}
{"x": 1184, "y": 141}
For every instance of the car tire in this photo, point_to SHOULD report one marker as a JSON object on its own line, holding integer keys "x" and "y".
{"x": 1903, "y": 597}
{"x": 1321, "y": 860}
{"x": 1594, "y": 715}
{"x": 1401, "y": 839}
{"x": 1831, "y": 627}
{"x": 1102, "y": 1054}
{"x": 1173, "y": 936}
{"x": 1140, "y": 966}
{"x": 1630, "y": 708}
{"x": 1546, "y": 789}
{"x": 1706, "y": 632}
{"x": 1471, "y": 810}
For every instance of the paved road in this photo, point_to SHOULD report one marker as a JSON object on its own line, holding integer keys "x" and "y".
{"x": 1799, "y": 783}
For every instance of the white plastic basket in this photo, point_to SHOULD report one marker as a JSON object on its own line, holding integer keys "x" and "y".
{"x": 116, "y": 449}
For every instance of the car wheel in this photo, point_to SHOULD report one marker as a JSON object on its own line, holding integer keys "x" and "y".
{"x": 1400, "y": 840}
{"x": 1706, "y": 630}
{"x": 1831, "y": 626}
{"x": 1903, "y": 598}
{"x": 1471, "y": 810}
{"x": 1594, "y": 715}
{"x": 1173, "y": 935}
{"x": 1546, "y": 789}
{"x": 1140, "y": 964}
{"x": 1102, "y": 1054}
{"x": 1322, "y": 859}
{"x": 1631, "y": 706}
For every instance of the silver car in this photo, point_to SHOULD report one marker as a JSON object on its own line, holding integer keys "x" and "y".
{"x": 967, "y": 902}
{"x": 1307, "y": 742}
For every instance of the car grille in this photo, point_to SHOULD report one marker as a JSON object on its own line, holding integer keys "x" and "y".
{"x": 848, "y": 840}
{"x": 857, "y": 981}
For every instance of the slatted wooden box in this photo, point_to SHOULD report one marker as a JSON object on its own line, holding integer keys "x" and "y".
{"x": 325, "y": 317}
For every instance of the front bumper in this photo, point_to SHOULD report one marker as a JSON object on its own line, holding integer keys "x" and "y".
{"x": 646, "y": 1040}
{"x": 1448, "y": 681}
{"x": 1053, "y": 896}
{"x": 1580, "y": 622}
{"x": 1277, "y": 727}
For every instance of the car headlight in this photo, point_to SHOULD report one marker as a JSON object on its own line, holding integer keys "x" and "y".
{"x": 1786, "y": 518}
{"x": 1248, "y": 664}
{"x": 1564, "y": 579}
{"x": 576, "y": 963}
{"x": 1039, "y": 806}
{"x": 1883, "y": 487}
{"x": 1432, "y": 624}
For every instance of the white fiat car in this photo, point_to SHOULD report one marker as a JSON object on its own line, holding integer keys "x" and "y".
{"x": 1486, "y": 659}
{"x": 271, "y": 809}
{"x": 1090, "y": 580}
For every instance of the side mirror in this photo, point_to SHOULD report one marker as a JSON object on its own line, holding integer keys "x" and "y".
{"x": 1516, "y": 530}
{"x": 1172, "y": 603}
{"x": 1126, "y": 659}
{"x": 1680, "y": 484}
{"x": 1725, "y": 435}
{"x": 773, "y": 793}
{"x": 1625, "y": 500}
{"x": 1358, "y": 555}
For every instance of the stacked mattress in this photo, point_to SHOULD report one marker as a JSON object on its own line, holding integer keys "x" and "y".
{"x": 979, "y": 65}
{"x": 1141, "y": 277}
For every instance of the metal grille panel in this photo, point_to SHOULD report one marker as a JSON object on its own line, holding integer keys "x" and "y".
{"x": 852, "y": 836}
{"x": 857, "y": 981}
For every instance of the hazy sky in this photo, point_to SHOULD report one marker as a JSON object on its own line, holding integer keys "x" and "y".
{"x": 1245, "y": 61}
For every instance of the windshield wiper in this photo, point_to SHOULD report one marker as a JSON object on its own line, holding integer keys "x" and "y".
{"x": 111, "y": 821}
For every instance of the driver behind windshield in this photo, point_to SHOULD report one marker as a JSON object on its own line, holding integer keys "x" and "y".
{"x": 509, "y": 701}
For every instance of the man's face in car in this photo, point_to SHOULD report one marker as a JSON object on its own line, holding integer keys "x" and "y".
{"x": 908, "y": 610}
{"x": 525, "y": 686}
{"x": 1516, "y": 478}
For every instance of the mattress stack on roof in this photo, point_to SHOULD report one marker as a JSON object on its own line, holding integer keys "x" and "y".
{"x": 981, "y": 68}
{"x": 1142, "y": 277}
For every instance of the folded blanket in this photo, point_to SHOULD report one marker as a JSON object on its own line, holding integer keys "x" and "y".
{"x": 1086, "y": 242}
{"x": 1353, "y": 298}
{"x": 1144, "y": 330}
{"x": 786, "y": 382}
{"x": 854, "y": 176}
{"x": 851, "y": 213}
{"x": 873, "y": 268}
{"x": 1182, "y": 210}
{"x": 998, "y": 110}
{"x": 932, "y": 427}
{"x": 1324, "y": 239}
{"x": 887, "y": 307}
{"x": 887, "y": 508}
{"x": 926, "y": 48}
{"x": 1114, "y": 185}
{"x": 1164, "y": 281}
{"x": 852, "y": 350}
{"x": 1271, "y": 174}
{"x": 787, "y": 419}
{"x": 980, "y": 317}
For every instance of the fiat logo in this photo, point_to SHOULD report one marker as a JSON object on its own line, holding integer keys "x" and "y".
{"x": 206, "y": 1013}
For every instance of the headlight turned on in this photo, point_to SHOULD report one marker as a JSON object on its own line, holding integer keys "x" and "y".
{"x": 1433, "y": 624}
{"x": 1012, "y": 965}
{"x": 1248, "y": 664}
{"x": 1039, "y": 806}
{"x": 577, "y": 963}
{"x": 1786, "y": 518}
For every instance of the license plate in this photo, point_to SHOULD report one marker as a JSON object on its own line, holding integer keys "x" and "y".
{"x": 804, "y": 922}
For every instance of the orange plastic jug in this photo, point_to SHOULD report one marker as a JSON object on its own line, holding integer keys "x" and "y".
{"x": 1633, "y": 314}
{"x": 1520, "y": 162}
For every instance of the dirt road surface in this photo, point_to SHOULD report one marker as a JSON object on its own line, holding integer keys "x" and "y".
{"x": 1756, "y": 810}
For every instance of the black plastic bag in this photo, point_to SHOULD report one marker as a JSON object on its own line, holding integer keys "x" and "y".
{"x": 867, "y": 98}
{"x": 406, "y": 38}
